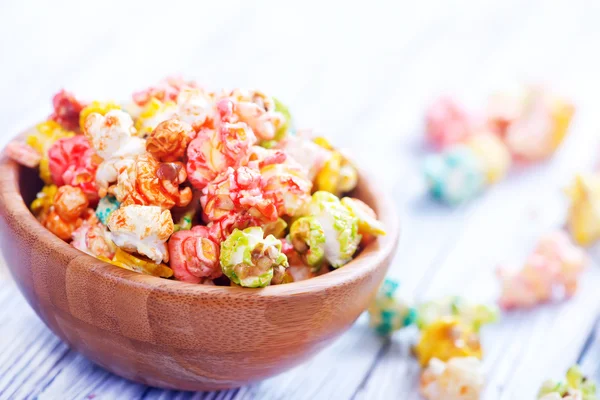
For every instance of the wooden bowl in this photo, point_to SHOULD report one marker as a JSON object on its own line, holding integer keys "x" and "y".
{"x": 177, "y": 335}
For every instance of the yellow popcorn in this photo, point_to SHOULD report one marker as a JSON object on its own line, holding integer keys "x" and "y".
{"x": 445, "y": 339}
{"x": 128, "y": 261}
{"x": 43, "y": 201}
{"x": 584, "y": 211}
{"x": 100, "y": 107}
{"x": 337, "y": 175}
{"x": 493, "y": 153}
{"x": 153, "y": 114}
{"x": 47, "y": 133}
{"x": 562, "y": 114}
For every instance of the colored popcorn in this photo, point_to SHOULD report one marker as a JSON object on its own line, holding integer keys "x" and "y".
{"x": 204, "y": 187}
{"x": 447, "y": 123}
{"x": 576, "y": 386}
{"x": 142, "y": 229}
{"x": 474, "y": 315}
{"x": 250, "y": 260}
{"x": 584, "y": 211}
{"x": 388, "y": 312}
{"x": 447, "y": 338}
{"x": 493, "y": 155}
{"x": 460, "y": 378}
{"x": 454, "y": 176}
{"x": 555, "y": 264}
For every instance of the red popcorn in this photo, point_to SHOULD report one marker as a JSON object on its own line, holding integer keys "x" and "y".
{"x": 447, "y": 123}
{"x": 72, "y": 162}
{"x": 237, "y": 191}
{"x": 165, "y": 90}
{"x": 194, "y": 255}
{"x": 23, "y": 154}
{"x": 66, "y": 110}
{"x": 213, "y": 151}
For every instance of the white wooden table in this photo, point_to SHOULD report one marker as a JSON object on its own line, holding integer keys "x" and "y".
{"x": 362, "y": 74}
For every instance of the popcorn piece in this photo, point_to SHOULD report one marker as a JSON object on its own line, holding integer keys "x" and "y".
{"x": 308, "y": 238}
{"x": 338, "y": 175}
{"x": 258, "y": 111}
{"x": 339, "y": 225}
{"x": 128, "y": 261}
{"x": 492, "y": 153}
{"x": 93, "y": 239}
{"x": 105, "y": 207}
{"x": 249, "y": 260}
{"x": 42, "y": 139}
{"x": 213, "y": 151}
{"x": 555, "y": 264}
{"x": 96, "y": 107}
{"x": 194, "y": 255}
{"x": 388, "y": 312}
{"x": 584, "y": 210}
{"x": 474, "y": 315}
{"x": 153, "y": 114}
{"x": 445, "y": 339}
{"x": 68, "y": 212}
{"x": 455, "y": 175}
{"x": 40, "y": 207}
{"x": 169, "y": 141}
{"x": 165, "y": 90}
{"x": 112, "y": 136}
{"x": 461, "y": 378}
{"x": 237, "y": 191}
{"x": 576, "y": 386}
{"x": 142, "y": 229}
{"x": 224, "y": 227}
{"x": 367, "y": 219}
{"x": 447, "y": 123}
{"x": 538, "y": 126}
{"x": 23, "y": 154}
{"x": 196, "y": 107}
{"x": 307, "y": 153}
{"x": 144, "y": 181}
{"x": 288, "y": 187}
{"x": 66, "y": 110}
{"x": 72, "y": 162}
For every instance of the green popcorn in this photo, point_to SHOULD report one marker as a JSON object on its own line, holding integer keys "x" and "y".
{"x": 284, "y": 129}
{"x": 308, "y": 238}
{"x": 475, "y": 315}
{"x": 575, "y": 385}
{"x": 339, "y": 225}
{"x": 388, "y": 312}
{"x": 248, "y": 259}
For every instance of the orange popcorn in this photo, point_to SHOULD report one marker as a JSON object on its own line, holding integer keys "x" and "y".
{"x": 145, "y": 181}
{"x": 68, "y": 212}
{"x": 168, "y": 142}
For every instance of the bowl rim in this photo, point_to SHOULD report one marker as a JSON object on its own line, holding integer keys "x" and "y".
{"x": 374, "y": 254}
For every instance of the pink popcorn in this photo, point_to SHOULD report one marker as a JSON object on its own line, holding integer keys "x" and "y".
{"x": 165, "y": 90}
{"x": 258, "y": 111}
{"x": 555, "y": 265}
{"x": 222, "y": 228}
{"x": 237, "y": 191}
{"x": 72, "y": 162}
{"x": 215, "y": 150}
{"x": 23, "y": 154}
{"x": 93, "y": 238}
{"x": 66, "y": 110}
{"x": 194, "y": 255}
{"x": 447, "y": 123}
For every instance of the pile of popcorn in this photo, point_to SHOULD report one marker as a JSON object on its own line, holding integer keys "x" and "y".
{"x": 205, "y": 187}
{"x": 448, "y": 348}
{"x": 524, "y": 125}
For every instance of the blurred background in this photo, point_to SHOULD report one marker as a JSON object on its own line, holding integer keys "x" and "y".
{"x": 361, "y": 73}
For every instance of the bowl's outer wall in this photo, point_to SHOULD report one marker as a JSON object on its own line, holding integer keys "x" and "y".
{"x": 176, "y": 335}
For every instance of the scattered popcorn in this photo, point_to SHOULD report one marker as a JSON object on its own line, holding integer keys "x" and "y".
{"x": 576, "y": 386}
{"x": 460, "y": 378}
{"x": 388, "y": 312}
{"x": 493, "y": 155}
{"x": 555, "y": 264}
{"x": 340, "y": 227}
{"x": 474, "y": 315}
{"x": 145, "y": 181}
{"x": 584, "y": 211}
{"x": 142, "y": 229}
{"x": 454, "y": 176}
{"x": 447, "y": 123}
{"x": 66, "y": 110}
{"x": 194, "y": 255}
{"x": 447, "y": 338}
{"x": 249, "y": 260}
